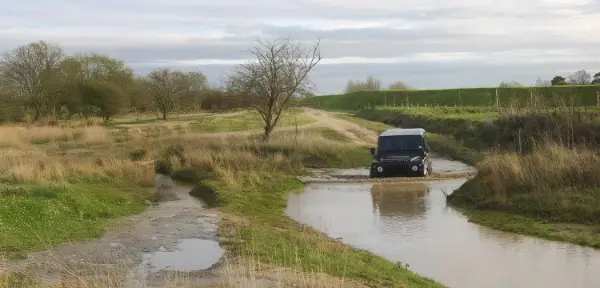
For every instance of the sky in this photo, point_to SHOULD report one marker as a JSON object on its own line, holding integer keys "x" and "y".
{"x": 427, "y": 44}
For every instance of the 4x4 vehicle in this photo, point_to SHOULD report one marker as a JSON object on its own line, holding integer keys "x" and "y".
{"x": 401, "y": 152}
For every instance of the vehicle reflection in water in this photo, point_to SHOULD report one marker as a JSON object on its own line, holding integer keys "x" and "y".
{"x": 411, "y": 223}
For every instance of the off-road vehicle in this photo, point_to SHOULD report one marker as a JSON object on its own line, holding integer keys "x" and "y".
{"x": 401, "y": 152}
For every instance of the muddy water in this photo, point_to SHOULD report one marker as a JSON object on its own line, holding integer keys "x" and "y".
{"x": 410, "y": 223}
{"x": 189, "y": 255}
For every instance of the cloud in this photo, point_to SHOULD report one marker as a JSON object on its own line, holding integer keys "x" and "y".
{"x": 426, "y": 43}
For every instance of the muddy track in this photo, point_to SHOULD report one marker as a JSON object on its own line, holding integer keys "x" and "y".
{"x": 357, "y": 134}
{"x": 365, "y": 179}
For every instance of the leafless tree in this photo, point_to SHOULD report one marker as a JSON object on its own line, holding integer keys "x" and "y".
{"x": 510, "y": 84}
{"x": 580, "y": 77}
{"x": 543, "y": 83}
{"x": 370, "y": 84}
{"x": 30, "y": 70}
{"x": 169, "y": 88}
{"x": 399, "y": 85}
{"x": 279, "y": 73}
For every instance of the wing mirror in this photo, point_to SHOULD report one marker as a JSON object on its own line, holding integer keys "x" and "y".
{"x": 372, "y": 151}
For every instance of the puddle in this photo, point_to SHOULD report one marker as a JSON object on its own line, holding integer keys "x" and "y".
{"x": 411, "y": 223}
{"x": 187, "y": 255}
{"x": 441, "y": 165}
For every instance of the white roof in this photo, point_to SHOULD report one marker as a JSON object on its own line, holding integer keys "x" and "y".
{"x": 400, "y": 132}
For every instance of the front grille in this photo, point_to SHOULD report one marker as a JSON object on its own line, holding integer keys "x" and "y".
{"x": 396, "y": 161}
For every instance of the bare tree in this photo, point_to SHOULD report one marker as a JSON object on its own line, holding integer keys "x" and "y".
{"x": 543, "y": 83}
{"x": 399, "y": 85}
{"x": 279, "y": 73}
{"x": 370, "y": 84}
{"x": 30, "y": 69}
{"x": 580, "y": 77}
{"x": 510, "y": 84}
{"x": 166, "y": 87}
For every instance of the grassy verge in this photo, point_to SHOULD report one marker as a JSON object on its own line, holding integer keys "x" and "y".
{"x": 31, "y": 213}
{"x": 275, "y": 239}
{"x": 60, "y": 184}
{"x": 252, "y": 182}
{"x": 586, "y": 235}
{"x": 481, "y": 130}
{"x": 441, "y": 144}
{"x": 545, "y": 193}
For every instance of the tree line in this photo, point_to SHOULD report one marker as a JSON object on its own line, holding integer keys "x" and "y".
{"x": 39, "y": 79}
{"x": 580, "y": 77}
{"x": 372, "y": 84}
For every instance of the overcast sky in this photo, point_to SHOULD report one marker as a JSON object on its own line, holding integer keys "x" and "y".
{"x": 425, "y": 43}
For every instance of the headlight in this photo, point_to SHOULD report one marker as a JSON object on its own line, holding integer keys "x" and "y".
{"x": 379, "y": 169}
{"x": 415, "y": 168}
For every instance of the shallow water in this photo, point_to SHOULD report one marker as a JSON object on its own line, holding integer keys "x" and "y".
{"x": 440, "y": 165}
{"x": 410, "y": 223}
{"x": 187, "y": 255}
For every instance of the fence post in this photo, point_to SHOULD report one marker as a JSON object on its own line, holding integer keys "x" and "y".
{"x": 531, "y": 97}
{"x": 385, "y": 99}
{"x": 497, "y": 100}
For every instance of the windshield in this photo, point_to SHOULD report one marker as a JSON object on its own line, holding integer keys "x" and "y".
{"x": 399, "y": 143}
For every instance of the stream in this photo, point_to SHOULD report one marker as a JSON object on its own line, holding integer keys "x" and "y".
{"x": 411, "y": 223}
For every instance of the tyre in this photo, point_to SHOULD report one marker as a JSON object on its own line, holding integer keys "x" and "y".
{"x": 425, "y": 172}
{"x": 372, "y": 173}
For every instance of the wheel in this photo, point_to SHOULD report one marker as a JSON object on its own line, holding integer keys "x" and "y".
{"x": 426, "y": 171}
{"x": 372, "y": 173}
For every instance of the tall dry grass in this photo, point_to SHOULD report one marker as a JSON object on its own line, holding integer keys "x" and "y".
{"x": 22, "y": 136}
{"x": 553, "y": 182}
{"x": 31, "y": 154}
{"x": 239, "y": 272}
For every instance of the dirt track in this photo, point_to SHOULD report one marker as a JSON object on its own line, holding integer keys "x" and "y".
{"x": 359, "y": 135}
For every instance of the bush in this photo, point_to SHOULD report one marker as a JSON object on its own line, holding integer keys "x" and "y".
{"x": 138, "y": 154}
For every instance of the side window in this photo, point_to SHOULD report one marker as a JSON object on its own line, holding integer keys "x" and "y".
{"x": 426, "y": 145}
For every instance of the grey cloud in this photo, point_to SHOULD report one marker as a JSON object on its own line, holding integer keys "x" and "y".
{"x": 508, "y": 40}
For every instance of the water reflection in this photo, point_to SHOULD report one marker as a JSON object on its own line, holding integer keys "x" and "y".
{"x": 412, "y": 224}
{"x": 406, "y": 200}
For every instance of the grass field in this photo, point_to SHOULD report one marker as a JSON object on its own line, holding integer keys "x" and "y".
{"x": 479, "y": 97}
{"x": 247, "y": 121}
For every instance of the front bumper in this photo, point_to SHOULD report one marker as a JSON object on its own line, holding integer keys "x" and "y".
{"x": 393, "y": 168}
